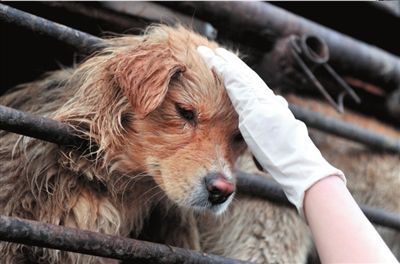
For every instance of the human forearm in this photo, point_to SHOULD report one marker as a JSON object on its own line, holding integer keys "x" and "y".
{"x": 341, "y": 231}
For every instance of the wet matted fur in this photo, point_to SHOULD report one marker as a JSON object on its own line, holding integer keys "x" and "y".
{"x": 146, "y": 170}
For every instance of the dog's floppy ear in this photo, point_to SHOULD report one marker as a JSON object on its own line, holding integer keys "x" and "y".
{"x": 144, "y": 75}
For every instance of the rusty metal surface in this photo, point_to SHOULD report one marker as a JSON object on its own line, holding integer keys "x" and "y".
{"x": 310, "y": 53}
{"x": 262, "y": 187}
{"x": 345, "y": 129}
{"x": 393, "y": 104}
{"x": 35, "y": 233}
{"x": 84, "y": 42}
{"x": 264, "y": 22}
{"x": 37, "y": 127}
{"x": 95, "y": 13}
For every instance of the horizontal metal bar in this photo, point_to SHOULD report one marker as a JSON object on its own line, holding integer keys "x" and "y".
{"x": 254, "y": 185}
{"x": 268, "y": 189}
{"x": 261, "y": 187}
{"x": 382, "y": 217}
{"x": 37, "y": 127}
{"x": 100, "y": 15}
{"x": 39, "y": 234}
{"x": 346, "y": 130}
{"x": 83, "y": 42}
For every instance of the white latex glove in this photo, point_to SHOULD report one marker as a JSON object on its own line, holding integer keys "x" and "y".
{"x": 276, "y": 138}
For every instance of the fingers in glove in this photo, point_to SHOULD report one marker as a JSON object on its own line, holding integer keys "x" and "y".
{"x": 211, "y": 59}
{"x": 231, "y": 58}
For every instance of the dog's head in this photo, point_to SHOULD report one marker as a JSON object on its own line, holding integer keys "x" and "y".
{"x": 176, "y": 120}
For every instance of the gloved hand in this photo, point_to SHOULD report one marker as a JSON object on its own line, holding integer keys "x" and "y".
{"x": 276, "y": 138}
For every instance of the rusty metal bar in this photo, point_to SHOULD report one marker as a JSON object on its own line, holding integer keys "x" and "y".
{"x": 37, "y": 127}
{"x": 39, "y": 234}
{"x": 61, "y": 134}
{"x": 346, "y": 130}
{"x": 249, "y": 184}
{"x": 98, "y": 14}
{"x": 262, "y": 187}
{"x": 83, "y": 42}
{"x": 262, "y": 22}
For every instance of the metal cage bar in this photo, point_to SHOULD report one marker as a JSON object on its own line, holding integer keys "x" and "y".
{"x": 84, "y": 42}
{"x": 345, "y": 129}
{"x": 39, "y": 234}
{"x": 37, "y": 127}
{"x": 268, "y": 189}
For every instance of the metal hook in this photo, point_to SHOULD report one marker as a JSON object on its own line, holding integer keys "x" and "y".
{"x": 315, "y": 81}
{"x": 318, "y": 55}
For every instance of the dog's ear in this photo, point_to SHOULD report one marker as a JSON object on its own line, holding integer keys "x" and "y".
{"x": 144, "y": 75}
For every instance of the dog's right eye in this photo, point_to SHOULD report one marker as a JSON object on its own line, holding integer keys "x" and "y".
{"x": 188, "y": 115}
{"x": 238, "y": 138}
{"x": 126, "y": 119}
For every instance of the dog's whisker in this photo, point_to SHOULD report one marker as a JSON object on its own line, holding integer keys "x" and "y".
{"x": 153, "y": 197}
{"x": 129, "y": 181}
{"x": 148, "y": 191}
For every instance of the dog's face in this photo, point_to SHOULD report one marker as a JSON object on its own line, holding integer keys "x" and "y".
{"x": 183, "y": 130}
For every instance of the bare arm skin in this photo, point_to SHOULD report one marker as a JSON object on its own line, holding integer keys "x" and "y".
{"x": 341, "y": 231}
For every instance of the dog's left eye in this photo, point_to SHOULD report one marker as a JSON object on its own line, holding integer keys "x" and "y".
{"x": 188, "y": 115}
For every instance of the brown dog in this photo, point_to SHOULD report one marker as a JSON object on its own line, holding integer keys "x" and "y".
{"x": 162, "y": 124}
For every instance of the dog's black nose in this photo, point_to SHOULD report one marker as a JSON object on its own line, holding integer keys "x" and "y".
{"x": 219, "y": 188}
